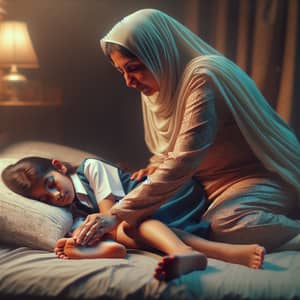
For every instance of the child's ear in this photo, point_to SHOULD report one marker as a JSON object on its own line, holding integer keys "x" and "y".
{"x": 59, "y": 166}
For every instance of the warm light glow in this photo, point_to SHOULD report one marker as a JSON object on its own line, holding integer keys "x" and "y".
{"x": 14, "y": 75}
{"x": 16, "y": 46}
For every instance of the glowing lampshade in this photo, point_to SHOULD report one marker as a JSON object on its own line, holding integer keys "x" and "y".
{"x": 16, "y": 49}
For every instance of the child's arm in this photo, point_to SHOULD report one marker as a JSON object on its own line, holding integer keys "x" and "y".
{"x": 100, "y": 175}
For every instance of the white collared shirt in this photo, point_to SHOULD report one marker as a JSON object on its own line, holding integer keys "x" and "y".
{"x": 103, "y": 179}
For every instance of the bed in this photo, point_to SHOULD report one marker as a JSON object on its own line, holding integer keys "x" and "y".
{"x": 29, "y": 269}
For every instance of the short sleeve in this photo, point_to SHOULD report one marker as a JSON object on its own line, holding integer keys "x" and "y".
{"x": 103, "y": 179}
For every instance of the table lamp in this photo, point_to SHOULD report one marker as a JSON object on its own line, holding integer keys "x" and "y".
{"x": 16, "y": 50}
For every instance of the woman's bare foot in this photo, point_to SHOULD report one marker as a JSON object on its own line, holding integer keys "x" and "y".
{"x": 174, "y": 266}
{"x": 251, "y": 256}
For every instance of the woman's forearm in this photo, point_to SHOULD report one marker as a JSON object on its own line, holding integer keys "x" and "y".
{"x": 196, "y": 135}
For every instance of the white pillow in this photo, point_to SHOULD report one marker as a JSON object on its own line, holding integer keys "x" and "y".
{"x": 26, "y": 222}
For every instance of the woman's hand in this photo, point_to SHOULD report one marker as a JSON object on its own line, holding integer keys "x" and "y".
{"x": 94, "y": 227}
{"x": 138, "y": 175}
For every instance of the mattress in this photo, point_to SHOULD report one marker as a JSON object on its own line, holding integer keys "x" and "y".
{"x": 27, "y": 273}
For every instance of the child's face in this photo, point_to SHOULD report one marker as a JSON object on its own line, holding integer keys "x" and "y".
{"x": 55, "y": 188}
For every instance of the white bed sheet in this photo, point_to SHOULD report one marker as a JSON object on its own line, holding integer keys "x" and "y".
{"x": 38, "y": 273}
{"x": 35, "y": 273}
{"x": 279, "y": 279}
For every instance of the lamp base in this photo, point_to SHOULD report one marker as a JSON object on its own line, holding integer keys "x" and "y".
{"x": 14, "y": 82}
{"x": 14, "y": 76}
{"x": 13, "y": 91}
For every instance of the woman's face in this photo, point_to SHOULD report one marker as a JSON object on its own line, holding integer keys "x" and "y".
{"x": 135, "y": 73}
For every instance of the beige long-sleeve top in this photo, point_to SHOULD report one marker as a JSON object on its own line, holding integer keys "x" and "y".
{"x": 209, "y": 146}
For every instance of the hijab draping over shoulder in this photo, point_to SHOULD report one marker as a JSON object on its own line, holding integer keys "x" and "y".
{"x": 174, "y": 54}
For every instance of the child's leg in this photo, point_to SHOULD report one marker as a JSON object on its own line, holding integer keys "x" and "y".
{"x": 250, "y": 255}
{"x": 181, "y": 258}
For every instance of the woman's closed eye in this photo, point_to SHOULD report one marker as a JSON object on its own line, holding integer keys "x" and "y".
{"x": 131, "y": 68}
{"x": 134, "y": 68}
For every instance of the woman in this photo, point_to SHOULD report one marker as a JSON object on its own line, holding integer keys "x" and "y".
{"x": 204, "y": 117}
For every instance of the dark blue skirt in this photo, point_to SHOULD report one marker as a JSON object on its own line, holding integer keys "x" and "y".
{"x": 183, "y": 210}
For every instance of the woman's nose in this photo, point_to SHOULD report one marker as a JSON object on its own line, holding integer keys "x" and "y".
{"x": 128, "y": 79}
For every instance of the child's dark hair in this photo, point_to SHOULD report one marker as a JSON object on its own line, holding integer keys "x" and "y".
{"x": 22, "y": 176}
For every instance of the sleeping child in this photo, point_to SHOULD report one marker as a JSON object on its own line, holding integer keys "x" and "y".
{"x": 94, "y": 186}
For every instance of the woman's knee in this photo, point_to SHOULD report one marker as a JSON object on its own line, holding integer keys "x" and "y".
{"x": 268, "y": 229}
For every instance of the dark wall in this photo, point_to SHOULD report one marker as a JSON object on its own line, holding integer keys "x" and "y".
{"x": 99, "y": 113}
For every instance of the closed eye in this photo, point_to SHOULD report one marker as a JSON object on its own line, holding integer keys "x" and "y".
{"x": 134, "y": 68}
{"x": 131, "y": 68}
{"x": 49, "y": 183}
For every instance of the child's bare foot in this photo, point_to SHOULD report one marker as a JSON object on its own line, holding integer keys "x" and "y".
{"x": 251, "y": 255}
{"x": 104, "y": 249}
{"x": 171, "y": 267}
{"x": 59, "y": 248}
